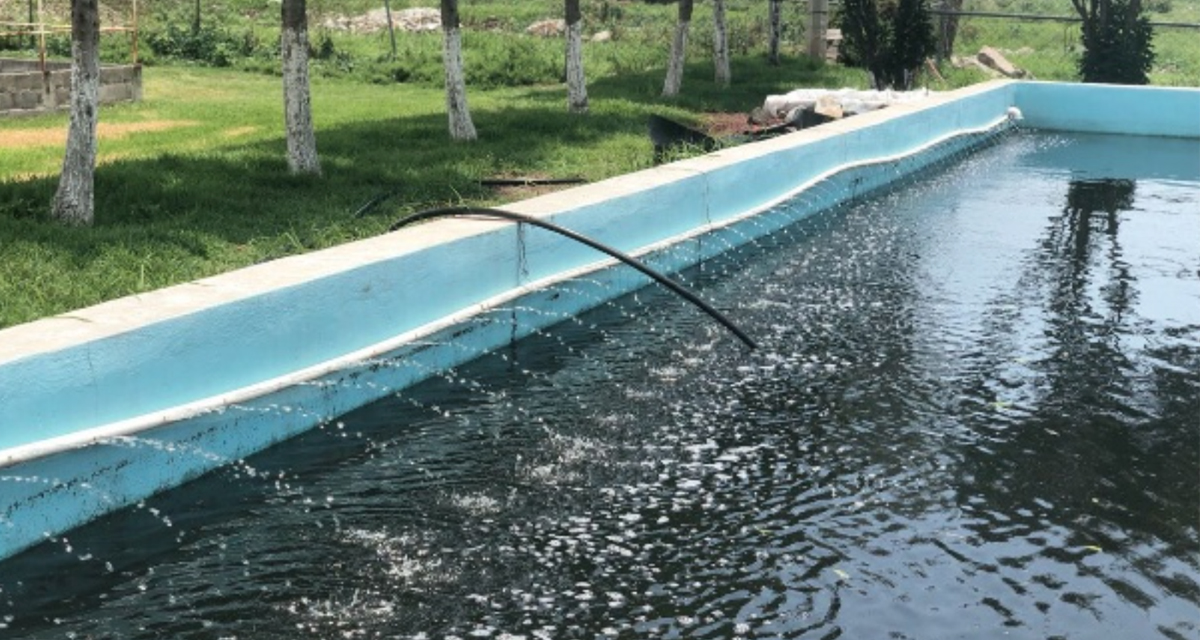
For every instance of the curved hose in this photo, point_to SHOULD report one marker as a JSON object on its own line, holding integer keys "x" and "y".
{"x": 550, "y": 226}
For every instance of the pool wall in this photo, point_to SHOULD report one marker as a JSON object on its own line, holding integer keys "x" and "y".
{"x": 104, "y": 406}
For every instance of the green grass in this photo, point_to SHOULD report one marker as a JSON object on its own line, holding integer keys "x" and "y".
{"x": 197, "y": 184}
{"x": 1050, "y": 51}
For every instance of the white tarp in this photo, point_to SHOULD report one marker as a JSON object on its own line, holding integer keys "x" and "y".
{"x": 850, "y": 101}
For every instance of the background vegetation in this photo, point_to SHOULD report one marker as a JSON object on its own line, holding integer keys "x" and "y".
{"x": 193, "y": 181}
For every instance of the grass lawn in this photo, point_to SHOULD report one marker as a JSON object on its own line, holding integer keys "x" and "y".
{"x": 193, "y": 182}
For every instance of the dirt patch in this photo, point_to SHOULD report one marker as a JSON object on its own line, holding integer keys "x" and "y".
{"x": 57, "y": 136}
{"x": 719, "y": 125}
{"x": 238, "y": 132}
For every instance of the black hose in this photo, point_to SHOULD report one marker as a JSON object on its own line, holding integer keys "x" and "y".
{"x": 375, "y": 202}
{"x": 550, "y": 226}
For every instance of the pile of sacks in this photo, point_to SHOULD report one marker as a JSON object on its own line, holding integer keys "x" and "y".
{"x": 831, "y": 103}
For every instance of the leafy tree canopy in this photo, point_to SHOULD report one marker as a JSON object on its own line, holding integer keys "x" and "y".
{"x": 888, "y": 38}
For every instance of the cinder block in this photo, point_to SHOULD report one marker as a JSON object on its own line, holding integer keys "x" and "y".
{"x": 26, "y": 82}
{"x": 137, "y": 83}
{"x": 113, "y": 93}
{"x": 29, "y": 100}
{"x": 59, "y": 79}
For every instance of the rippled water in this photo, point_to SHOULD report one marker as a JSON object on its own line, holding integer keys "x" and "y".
{"x": 975, "y": 413}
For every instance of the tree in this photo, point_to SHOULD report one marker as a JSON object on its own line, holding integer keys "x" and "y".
{"x": 721, "y": 43}
{"x": 74, "y": 199}
{"x": 577, "y": 100}
{"x": 1117, "y": 41}
{"x": 775, "y": 19}
{"x": 461, "y": 127}
{"x": 948, "y": 28}
{"x": 891, "y": 39}
{"x": 678, "y": 50}
{"x": 297, "y": 107}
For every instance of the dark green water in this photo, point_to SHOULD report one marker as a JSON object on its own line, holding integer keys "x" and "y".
{"x": 975, "y": 414}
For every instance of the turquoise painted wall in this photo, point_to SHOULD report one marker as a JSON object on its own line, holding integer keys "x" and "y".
{"x": 1100, "y": 108}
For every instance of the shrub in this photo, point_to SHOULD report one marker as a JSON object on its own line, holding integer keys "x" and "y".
{"x": 1117, "y": 41}
{"x": 213, "y": 46}
{"x": 888, "y": 38}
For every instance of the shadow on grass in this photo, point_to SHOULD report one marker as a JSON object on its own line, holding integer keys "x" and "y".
{"x": 753, "y": 79}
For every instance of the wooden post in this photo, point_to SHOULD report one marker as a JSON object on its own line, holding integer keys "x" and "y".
{"x": 818, "y": 21}
{"x": 41, "y": 31}
{"x": 387, "y": 9}
{"x": 135, "y": 32}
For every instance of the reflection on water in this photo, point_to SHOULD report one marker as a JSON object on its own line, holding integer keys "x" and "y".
{"x": 974, "y": 414}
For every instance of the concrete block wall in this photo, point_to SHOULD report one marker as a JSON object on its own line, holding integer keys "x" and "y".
{"x": 24, "y": 88}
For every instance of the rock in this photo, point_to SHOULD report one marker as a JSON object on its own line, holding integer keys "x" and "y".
{"x": 415, "y": 19}
{"x": 602, "y": 36}
{"x": 974, "y": 63}
{"x": 995, "y": 60}
{"x": 418, "y": 19}
{"x": 758, "y": 116}
{"x": 829, "y": 106}
{"x": 806, "y": 118}
{"x": 547, "y": 28}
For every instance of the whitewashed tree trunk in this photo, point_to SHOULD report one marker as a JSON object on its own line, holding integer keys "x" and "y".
{"x": 461, "y": 127}
{"x": 721, "y": 44}
{"x": 297, "y": 105}
{"x": 818, "y": 21}
{"x": 74, "y": 200}
{"x": 775, "y": 20}
{"x": 577, "y": 100}
{"x": 678, "y": 50}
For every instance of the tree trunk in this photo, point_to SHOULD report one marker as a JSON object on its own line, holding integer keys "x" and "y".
{"x": 948, "y": 28}
{"x": 1085, "y": 10}
{"x": 577, "y": 100}
{"x": 678, "y": 50}
{"x": 818, "y": 22}
{"x": 721, "y": 44}
{"x": 461, "y": 127}
{"x": 297, "y": 107}
{"x": 74, "y": 200}
{"x": 775, "y": 19}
